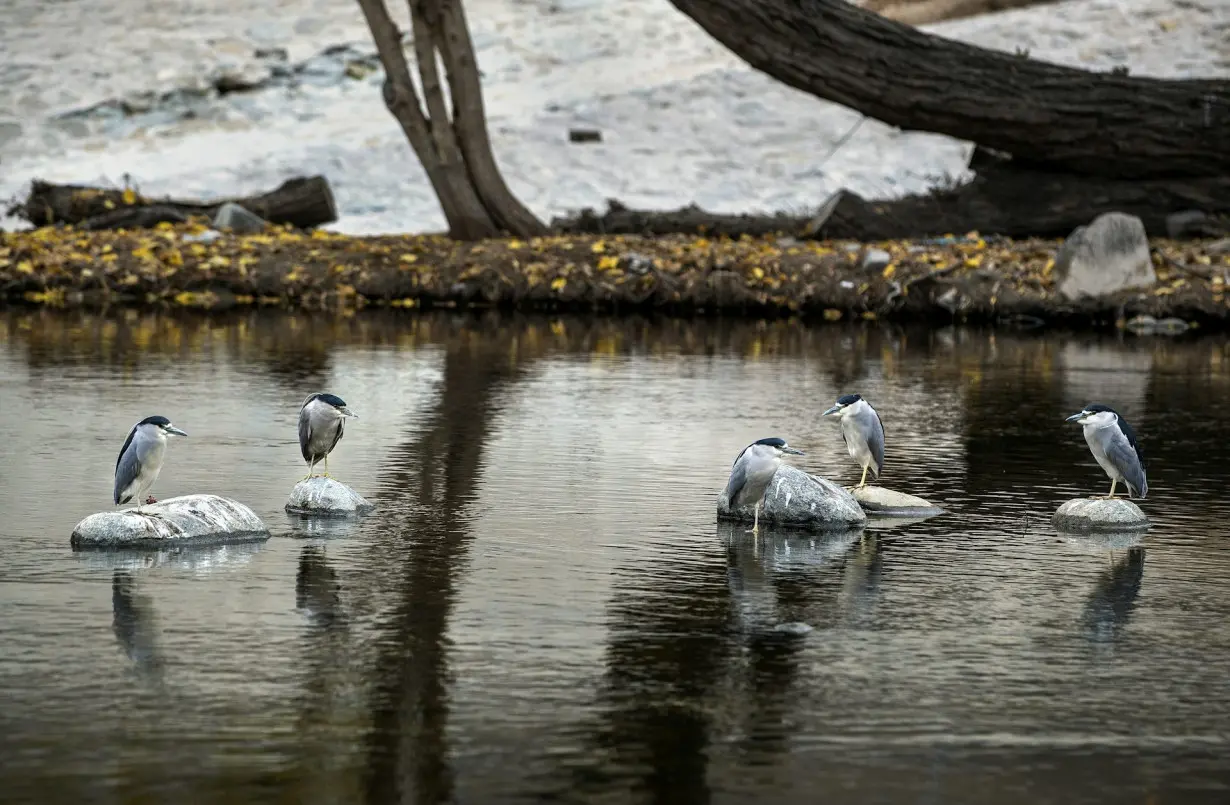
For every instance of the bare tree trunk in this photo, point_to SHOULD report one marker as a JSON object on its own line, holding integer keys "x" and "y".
{"x": 455, "y": 152}
{"x": 1046, "y": 116}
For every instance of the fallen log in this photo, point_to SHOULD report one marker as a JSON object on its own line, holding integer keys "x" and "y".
{"x": 1050, "y": 116}
{"x": 303, "y": 202}
{"x": 999, "y": 201}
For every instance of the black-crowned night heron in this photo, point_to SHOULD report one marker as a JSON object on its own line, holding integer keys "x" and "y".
{"x": 1113, "y": 444}
{"x": 140, "y": 459}
{"x": 321, "y": 421}
{"x": 863, "y": 433}
{"x": 752, "y": 471}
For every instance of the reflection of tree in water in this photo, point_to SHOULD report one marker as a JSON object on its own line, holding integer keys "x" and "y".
{"x": 427, "y": 533}
{"x": 1113, "y": 599}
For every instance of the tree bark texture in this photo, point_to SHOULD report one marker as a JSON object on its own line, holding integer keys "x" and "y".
{"x": 303, "y": 202}
{"x": 451, "y": 143}
{"x": 1044, "y": 115}
{"x": 998, "y": 202}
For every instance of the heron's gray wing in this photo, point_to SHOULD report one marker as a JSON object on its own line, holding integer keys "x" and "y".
{"x": 1123, "y": 456}
{"x": 337, "y": 437}
{"x": 876, "y": 442}
{"x": 127, "y": 467}
{"x": 305, "y": 433}
{"x": 738, "y": 480}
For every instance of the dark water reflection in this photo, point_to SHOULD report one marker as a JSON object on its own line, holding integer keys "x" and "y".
{"x": 542, "y": 607}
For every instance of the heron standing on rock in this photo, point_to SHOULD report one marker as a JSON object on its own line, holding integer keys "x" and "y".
{"x": 321, "y": 422}
{"x": 1113, "y": 444}
{"x": 140, "y": 460}
{"x": 863, "y": 433}
{"x": 752, "y": 471}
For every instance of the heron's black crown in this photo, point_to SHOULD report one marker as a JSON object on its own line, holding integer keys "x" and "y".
{"x": 1097, "y": 408}
{"x": 332, "y": 399}
{"x": 848, "y": 399}
{"x": 772, "y": 441}
{"x": 160, "y": 421}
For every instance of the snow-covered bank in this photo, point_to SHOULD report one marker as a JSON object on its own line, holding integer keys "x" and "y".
{"x": 683, "y": 120}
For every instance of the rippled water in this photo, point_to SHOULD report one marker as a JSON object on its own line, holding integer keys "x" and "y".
{"x": 542, "y": 607}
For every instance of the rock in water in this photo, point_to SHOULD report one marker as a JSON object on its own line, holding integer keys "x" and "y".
{"x": 888, "y": 503}
{"x": 795, "y": 498}
{"x": 325, "y": 496}
{"x": 185, "y": 520}
{"x": 1110, "y": 254}
{"x": 1100, "y": 514}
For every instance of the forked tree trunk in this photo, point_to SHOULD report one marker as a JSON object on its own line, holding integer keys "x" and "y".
{"x": 1046, "y": 116}
{"x": 454, "y": 149}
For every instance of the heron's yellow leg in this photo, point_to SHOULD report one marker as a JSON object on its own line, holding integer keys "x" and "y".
{"x": 863, "y": 481}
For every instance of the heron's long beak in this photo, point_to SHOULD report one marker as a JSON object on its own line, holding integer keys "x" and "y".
{"x": 1075, "y": 416}
{"x": 832, "y": 410}
{"x": 792, "y": 450}
{"x": 345, "y": 411}
{"x": 175, "y": 430}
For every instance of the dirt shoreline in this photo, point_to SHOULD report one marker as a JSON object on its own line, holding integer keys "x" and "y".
{"x": 957, "y": 278}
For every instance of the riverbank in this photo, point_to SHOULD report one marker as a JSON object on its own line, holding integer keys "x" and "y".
{"x": 964, "y": 278}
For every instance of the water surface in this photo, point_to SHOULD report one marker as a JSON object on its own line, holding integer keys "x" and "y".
{"x": 542, "y": 606}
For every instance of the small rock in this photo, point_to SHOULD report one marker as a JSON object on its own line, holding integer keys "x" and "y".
{"x": 189, "y": 519}
{"x": 234, "y": 217}
{"x": 1143, "y": 324}
{"x": 208, "y": 236}
{"x": 324, "y": 496}
{"x": 889, "y": 503}
{"x": 795, "y": 498}
{"x": 876, "y": 259}
{"x": 1111, "y": 254}
{"x": 1172, "y": 326}
{"x": 1100, "y": 514}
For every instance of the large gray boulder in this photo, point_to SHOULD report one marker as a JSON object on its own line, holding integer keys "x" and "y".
{"x": 1111, "y": 254}
{"x": 1100, "y": 514}
{"x": 186, "y": 520}
{"x": 797, "y": 499}
{"x": 326, "y": 497}
{"x": 881, "y": 502}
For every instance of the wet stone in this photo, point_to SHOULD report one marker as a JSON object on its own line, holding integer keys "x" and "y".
{"x": 326, "y": 497}
{"x": 1100, "y": 514}
{"x": 882, "y": 502}
{"x": 185, "y": 520}
{"x": 796, "y": 499}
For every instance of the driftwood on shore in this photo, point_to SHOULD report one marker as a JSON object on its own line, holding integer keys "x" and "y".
{"x": 999, "y": 201}
{"x": 303, "y": 202}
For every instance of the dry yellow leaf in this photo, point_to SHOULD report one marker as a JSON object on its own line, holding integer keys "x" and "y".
{"x": 608, "y": 263}
{"x": 832, "y": 314}
{"x": 598, "y": 248}
{"x": 558, "y": 284}
{"x": 758, "y": 273}
{"x": 889, "y": 270}
{"x": 130, "y": 197}
{"x": 25, "y": 267}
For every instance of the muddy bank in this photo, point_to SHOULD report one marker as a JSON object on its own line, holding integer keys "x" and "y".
{"x": 963, "y": 278}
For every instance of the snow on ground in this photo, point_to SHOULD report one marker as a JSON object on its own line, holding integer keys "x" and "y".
{"x": 683, "y": 120}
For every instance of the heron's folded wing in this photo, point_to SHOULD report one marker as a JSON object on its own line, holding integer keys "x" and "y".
{"x": 305, "y": 433}
{"x": 876, "y": 442}
{"x": 1124, "y": 457}
{"x": 127, "y": 468}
